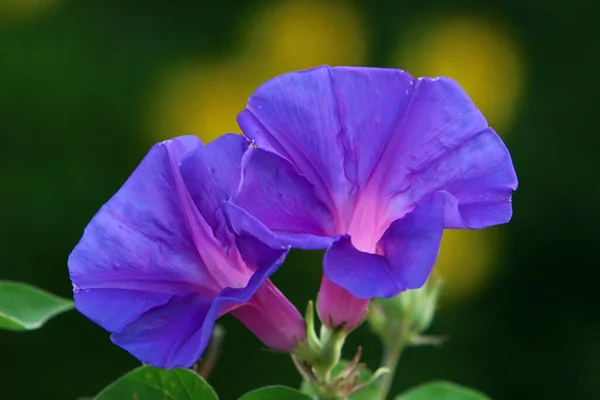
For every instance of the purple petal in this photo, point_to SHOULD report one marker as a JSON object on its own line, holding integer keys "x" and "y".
{"x": 364, "y": 275}
{"x": 411, "y": 244}
{"x": 246, "y": 225}
{"x": 333, "y": 124}
{"x": 212, "y": 175}
{"x": 171, "y": 336}
{"x": 146, "y": 236}
{"x": 175, "y": 334}
{"x": 113, "y": 309}
{"x": 406, "y": 253}
{"x": 173, "y": 331}
{"x": 272, "y": 318}
{"x": 274, "y": 193}
{"x": 148, "y": 267}
{"x": 374, "y": 142}
{"x": 481, "y": 179}
{"x": 368, "y": 104}
{"x": 442, "y": 142}
{"x": 257, "y": 245}
{"x": 295, "y": 115}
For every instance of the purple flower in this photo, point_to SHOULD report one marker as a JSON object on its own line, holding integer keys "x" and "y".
{"x": 157, "y": 265}
{"x": 372, "y": 165}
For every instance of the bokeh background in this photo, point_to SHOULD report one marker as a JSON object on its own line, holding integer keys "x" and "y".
{"x": 87, "y": 86}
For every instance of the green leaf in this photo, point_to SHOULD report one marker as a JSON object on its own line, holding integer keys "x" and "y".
{"x": 275, "y": 393}
{"x": 148, "y": 383}
{"x": 24, "y": 307}
{"x": 442, "y": 390}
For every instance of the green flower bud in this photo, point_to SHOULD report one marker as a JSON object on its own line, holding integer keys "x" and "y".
{"x": 409, "y": 313}
{"x": 426, "y": 305}
{"x": 333, "y": 341}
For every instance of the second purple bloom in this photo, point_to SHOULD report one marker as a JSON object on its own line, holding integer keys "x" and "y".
{"x": 372, "y": 165}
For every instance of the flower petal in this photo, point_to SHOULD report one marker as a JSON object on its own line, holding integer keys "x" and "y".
{"x": 411, "y": 244}
{"x": 444, "y": 143}
{"x": 406, "y": 253}
{"x": 171, "y": 336}
{"x": 273, "y": 192}
{"x": 331, "y": 123}
{"x": 256, "y": 244}
{"x": 368, "y": 135}
{"x": 150, "y": 258}
{"x": 145, "y": 237}
{"x": 364, "y": 275}
{"x": 479, "y": 176}
{"x": 175, "y": 335}
{"x": 212, "y": 175}
{"x": 295, "y": 116}
{"x": 113, "y": 309}
{"x": 368, "y": 106}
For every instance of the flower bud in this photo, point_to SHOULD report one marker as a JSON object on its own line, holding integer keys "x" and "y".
{"x": 338, "y": 309}
{"x": 413, "y": 309}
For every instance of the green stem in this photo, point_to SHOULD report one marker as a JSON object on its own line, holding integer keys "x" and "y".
{"x": 391, "y": 355}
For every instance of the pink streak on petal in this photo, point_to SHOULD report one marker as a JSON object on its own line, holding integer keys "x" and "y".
{"x": 272, "y": 318}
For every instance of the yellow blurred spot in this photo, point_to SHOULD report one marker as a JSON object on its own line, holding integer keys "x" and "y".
{"x": 481, "y": 53}
{"x": 301, "y": 34}
{"x": 22, "y": 10}
{"x": 198, "y": 99}
{"x": 204, "y": 97}
{"x": 468, "y": 260}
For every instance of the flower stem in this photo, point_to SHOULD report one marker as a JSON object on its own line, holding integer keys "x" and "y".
{"x": 212, "y": 352}
{"x": 391, "y": 355}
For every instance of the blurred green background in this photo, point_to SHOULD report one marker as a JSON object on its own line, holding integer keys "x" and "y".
{"x": 87, "y": 86}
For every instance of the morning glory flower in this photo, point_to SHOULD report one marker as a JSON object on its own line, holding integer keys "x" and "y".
{"x": 372, "y": 165}
{"x": 157, "y": 264}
